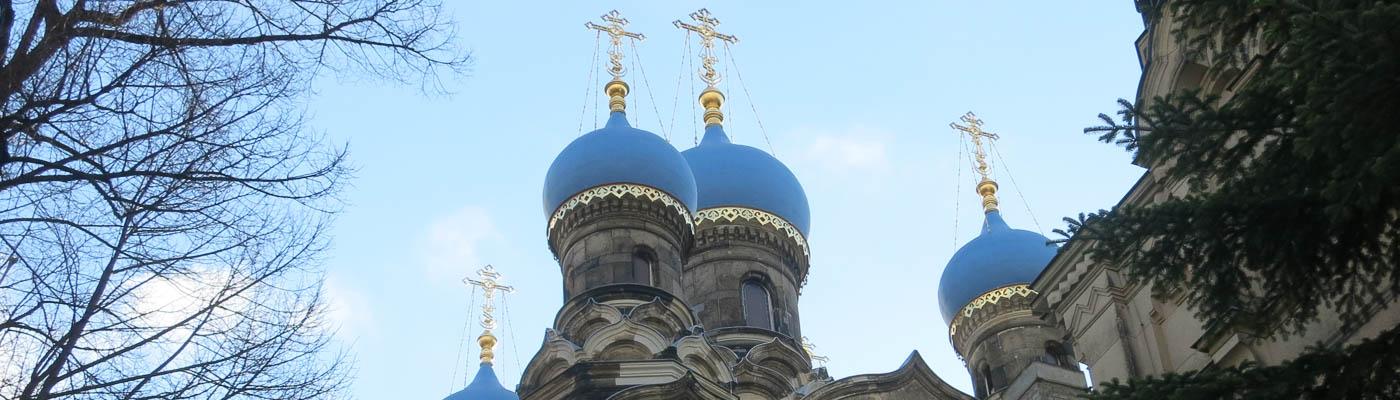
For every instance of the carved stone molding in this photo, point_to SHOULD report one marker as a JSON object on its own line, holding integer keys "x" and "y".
{"x": 987, "y": 307}
{"x": 913, "y": 380}
{"x": 759, "y": 217}
{"x": 653, "y": 207}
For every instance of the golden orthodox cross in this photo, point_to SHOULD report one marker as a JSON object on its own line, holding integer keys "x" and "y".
{"x": 973, "y": 129}
{"x": 705, "y": 27}
{"x": 490, "y": 282}
{"x": 614, "y": 29}
{"x": 987, "y": 188}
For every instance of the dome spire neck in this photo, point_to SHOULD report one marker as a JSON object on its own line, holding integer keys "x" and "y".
{"x": 490, "y": 282}
{"x": 616, "y": 88}
{"x": 711, "y": 98}
{"x": 986, "y": 187}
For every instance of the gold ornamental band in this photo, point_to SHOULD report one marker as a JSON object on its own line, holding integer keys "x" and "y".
{"x": 731, "y": 214}
{"x": 991, "y": 297}
{"x": 619, "y": 190}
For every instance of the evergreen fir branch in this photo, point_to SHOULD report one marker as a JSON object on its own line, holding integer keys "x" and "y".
{"x": 1362, "y": 371}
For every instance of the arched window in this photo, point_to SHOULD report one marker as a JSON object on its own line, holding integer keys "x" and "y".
{"x": 758, "y": 305}
{"x": 643, "y": 266}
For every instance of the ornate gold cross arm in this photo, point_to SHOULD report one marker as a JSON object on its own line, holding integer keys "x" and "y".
{"x": 987, "y": 187}
{"x": 614, "y": 27}
{"x": 705, "y": 28}
{"x": 616, "y": 89}
{"x": 490, "y": 282}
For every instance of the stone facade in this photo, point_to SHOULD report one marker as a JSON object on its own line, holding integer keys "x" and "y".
{"x": 603, "y": 241}
{"x": 1011, "y": 352}
{"x": 1118, "y": 328}
{"x": 685, "y": 331}
{"x": 656, "y": 302}
{"x": 727, "y": 254}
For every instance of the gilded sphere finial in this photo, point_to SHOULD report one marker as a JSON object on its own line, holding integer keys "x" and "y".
{"x": 487, "y": 341}
{"x": 987, "y": 188}
{"x": 617, "y": 95}
{"x": 711, "y": 99}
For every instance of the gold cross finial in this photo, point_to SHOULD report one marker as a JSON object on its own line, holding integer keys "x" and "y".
{"x": 986, "y": 187}
{"x": 616, "y": 89}
{"x": 490, "y": 282}
{"x": 614, "y": 29}
{"x": 706, "y": 29}
{"x": 811, "y": 350}
{"x": 710, "y": 98}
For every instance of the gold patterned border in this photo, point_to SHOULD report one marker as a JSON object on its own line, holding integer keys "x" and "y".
{"x": 761, "y": 217}
{"x": 991, "y": 297}
{"x": 619, "y": 190}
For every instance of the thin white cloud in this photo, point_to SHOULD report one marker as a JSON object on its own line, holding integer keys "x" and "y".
{"x": 453, "y": 241}
{"x": 859, "y": 150}
{"x": 167, "y": 300}
{"x": 348, "y": 309}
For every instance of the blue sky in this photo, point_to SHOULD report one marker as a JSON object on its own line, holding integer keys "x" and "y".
{"x": 855, "y": 99}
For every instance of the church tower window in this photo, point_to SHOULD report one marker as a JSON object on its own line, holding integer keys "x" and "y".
{"x": 758, "y": 305}
{"x": 984, "y": 381}
{"x": 643, "y": 266}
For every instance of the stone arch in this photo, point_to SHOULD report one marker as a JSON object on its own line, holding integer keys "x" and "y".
{"x": 668, "y": 317}
{"x": 757, "y": 380}
{"x": 582, "y": 321}
{"x": 627, "y": 333}
{"x": 710, "y": 361}
{"x": 779, "y": 356}
{"x": 554, "y": 357}
{"x": 623, "y": 350}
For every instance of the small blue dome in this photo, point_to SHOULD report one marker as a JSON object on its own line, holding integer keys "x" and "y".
{"x": 998, "y": 257}
{"x": 484, "y": 386}
{"x": 735, "y": 175}
{"x": 618, "y": 153}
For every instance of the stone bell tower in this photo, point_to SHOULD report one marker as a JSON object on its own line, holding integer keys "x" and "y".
{"x": 751, "y": 253}
{"x": 620, "y": 203}
{"x": 986, "y": 299}
{"x": 620, "y": 200}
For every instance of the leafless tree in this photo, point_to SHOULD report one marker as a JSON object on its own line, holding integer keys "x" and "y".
{"x": 162, "y": 209}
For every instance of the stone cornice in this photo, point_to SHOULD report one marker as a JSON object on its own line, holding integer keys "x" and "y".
{"x": 914, "y": 376}
{"x": 621, "y": 199}
{"x": 987, "y": 307}
{"x": 617, "y": 190}
{"x": 716, "y": 226}
{"x": 760, "y": 217}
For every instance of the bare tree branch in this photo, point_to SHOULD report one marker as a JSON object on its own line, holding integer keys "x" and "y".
{"x": 161, "y": 203}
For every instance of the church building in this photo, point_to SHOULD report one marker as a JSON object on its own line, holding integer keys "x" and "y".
{"x": 682, "y": 272}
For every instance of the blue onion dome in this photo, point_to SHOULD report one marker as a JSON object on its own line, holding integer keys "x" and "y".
{"x": 618, "y": 153}
{"x": 734, "y": 175}
{"x": 485, "y": 386}
{"x": 1000, "y": 256}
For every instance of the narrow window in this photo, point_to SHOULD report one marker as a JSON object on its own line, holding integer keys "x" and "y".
{"x": 998, "y": 380}
{"x": 758, "y": 305}
{"x": 984, "y": 381}
{"x": 643, "y": 267}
